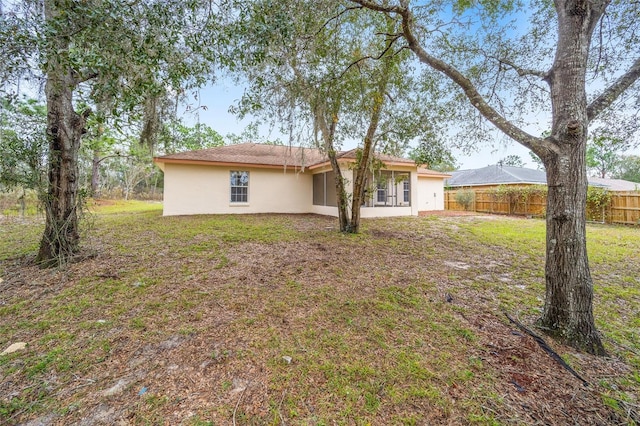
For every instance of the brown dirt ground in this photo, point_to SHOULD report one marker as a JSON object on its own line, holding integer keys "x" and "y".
{"x": 533, "y": 389}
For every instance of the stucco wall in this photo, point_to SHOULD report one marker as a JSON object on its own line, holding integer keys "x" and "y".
{"x": 194, "y": 189}
{"x": 430, "y": 193}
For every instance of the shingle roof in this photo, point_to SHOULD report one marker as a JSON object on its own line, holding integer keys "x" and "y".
{"x": 250, "y": 153}
{"x": 497, "y": 175}
{"x": 422, "y": 171}
{"x": 275, "y": 156}
{"x": 352, "y": 155}
{"x": 615, "y": 184}
{"x": 505, "y": 175}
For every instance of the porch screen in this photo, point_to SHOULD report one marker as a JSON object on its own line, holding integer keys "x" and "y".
{"x": 324, "y": 189}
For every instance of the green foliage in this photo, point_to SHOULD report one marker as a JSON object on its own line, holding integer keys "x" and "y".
{"x": 628, "y": 168}
{"x": 518, "y": 195}
{"x": 603, "y": 153}
{"x": 465, "y": 198}
{"x": 434, "y": 154}
{"x": 23, "y": 143}
{"x": 598, "y": 197}
{"x": 512, "y": 160}
{"x": 536, "y": 160}
{"x": 177, "y": 137}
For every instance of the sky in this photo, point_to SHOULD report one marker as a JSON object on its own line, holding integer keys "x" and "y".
{"x": 218, "y": 97}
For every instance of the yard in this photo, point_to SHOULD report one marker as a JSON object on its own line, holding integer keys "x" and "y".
{"x": 281, "y": 320}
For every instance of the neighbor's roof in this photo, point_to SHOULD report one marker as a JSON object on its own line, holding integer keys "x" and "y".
{"x": 507, "y": 175}
{"x": 614, "y": 184}
{"x": 253, "y": 154}
{"x": 497, "y": 175}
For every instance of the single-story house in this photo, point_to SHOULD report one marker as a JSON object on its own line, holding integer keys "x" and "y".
{"x": 258, "y": 178}
{"x": 493, "y": 176}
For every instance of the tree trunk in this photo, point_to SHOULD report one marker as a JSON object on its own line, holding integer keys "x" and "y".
{"x": 568, "y": 311}
{"x": 362, "y": 169}
{"x": 64, "y": 130}
{"x": 341, "y": 195}
{"x": 327, "y": 130}
{"x": 364, "y": 163}
{"x": 569, "y": 287}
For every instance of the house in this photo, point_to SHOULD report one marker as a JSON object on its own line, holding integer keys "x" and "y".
{"x": 257, "y": 178}
{"x": 492, "y": 176}
{"x": 496, "y": 175}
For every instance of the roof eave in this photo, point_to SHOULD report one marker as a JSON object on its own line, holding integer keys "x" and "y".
{"x": 160, "y": 160}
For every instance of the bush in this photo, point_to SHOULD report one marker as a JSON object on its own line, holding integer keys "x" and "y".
{"x": 465, "y": 198}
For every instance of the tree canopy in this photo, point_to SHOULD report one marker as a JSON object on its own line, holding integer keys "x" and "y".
{"x": 576, "y": 62}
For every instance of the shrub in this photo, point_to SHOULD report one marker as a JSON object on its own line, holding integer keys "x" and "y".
{"x": 465, "y": 198}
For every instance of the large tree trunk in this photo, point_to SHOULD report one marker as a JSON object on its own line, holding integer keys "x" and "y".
{"x": 568, "y": 310}
{"x": 569, "y": 288}
{"x": 64, "y": 130}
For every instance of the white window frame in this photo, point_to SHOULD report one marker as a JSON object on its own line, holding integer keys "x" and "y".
{"x": 406, "y": 190}
{"x": 244, "y": 186}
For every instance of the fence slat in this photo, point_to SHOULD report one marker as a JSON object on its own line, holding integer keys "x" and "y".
{"x": 624, "y": 208}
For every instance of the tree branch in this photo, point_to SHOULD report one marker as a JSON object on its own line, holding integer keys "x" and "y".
{"x": 540, "y": 146}
{"x": 336, "y": 16}
{"x": 612, "y": 93}
{"x": 375, "y": 58}
{"x": 522, "y": 72}
{"x": 80, "y": 78}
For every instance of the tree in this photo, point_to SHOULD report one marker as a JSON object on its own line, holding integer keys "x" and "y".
{"x": 116, "y": 53}
{"x": 603, "y": 152}
{"x": 314, "y": 76}
{"x": 628, "y": 168}
{"x": 512, "y": 160}
{"x": 176, "y": 136}
{"x": 536, "y": 160}
{"x": 23, "y": 146}
{"x": 434, "y": 154}
{"x": 501, "y": 71}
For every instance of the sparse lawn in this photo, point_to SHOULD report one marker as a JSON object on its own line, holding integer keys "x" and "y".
{"x": 280, "y": 319}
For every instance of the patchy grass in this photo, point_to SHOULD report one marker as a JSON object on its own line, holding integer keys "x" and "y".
{"x": 279, "y": 319}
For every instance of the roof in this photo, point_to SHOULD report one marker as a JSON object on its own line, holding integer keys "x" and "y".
{"x": 497, "y": 175}
{"x": 614, "y": 184}
{"x": 255, "y": 154}
{"x": 248, "y": 154}
{"x": 424, "y": 172}
{"x": 508, "y": 175}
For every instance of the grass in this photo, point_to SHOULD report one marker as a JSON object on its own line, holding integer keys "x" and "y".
{"x": 278, "y": 319}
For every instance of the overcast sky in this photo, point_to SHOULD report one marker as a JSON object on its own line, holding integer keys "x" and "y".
{"x": 217, "y": 99}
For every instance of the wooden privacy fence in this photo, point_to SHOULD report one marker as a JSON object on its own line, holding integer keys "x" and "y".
{"x": 624, "y": 207}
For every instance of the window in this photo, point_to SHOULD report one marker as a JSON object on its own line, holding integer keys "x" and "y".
{"x": 382, "y": 191}
{"x": 405, "y": 189}
{"x": 239, "y": 187}
{"x": 324, "y": 189}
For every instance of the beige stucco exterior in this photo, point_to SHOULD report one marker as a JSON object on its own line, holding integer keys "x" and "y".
{"x": 205, "y": 189}
{"x": 430, "y": 193}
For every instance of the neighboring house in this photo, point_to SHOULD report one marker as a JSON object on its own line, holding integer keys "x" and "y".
{"x": 256, "y": 178}
{"x": 614, "y": 184}
{"x": 493, "y": 176}
{"x": 496, "y": 175}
